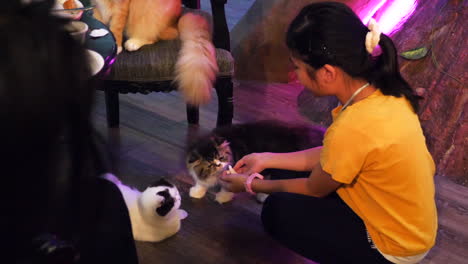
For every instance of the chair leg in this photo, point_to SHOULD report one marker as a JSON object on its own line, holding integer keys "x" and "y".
{"x": 224, "y": 90}
{"x": 112, "y": 107}
{"x": 193, "y": 114}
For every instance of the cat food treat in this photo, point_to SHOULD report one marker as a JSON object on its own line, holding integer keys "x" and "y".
{"x": 231, "y": 170}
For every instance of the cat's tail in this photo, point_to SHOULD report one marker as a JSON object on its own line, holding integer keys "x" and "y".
{"x": 196, "y": 67}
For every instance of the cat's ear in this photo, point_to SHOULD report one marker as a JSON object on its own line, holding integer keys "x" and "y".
{"x": 218, "y": 140}
{"x": 193, "y": 156}
{"x": 224, "y": 144}
{"x": 161, "y": 182}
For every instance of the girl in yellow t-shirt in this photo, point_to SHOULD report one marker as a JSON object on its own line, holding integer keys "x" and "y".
{"x": 370, "y": 195}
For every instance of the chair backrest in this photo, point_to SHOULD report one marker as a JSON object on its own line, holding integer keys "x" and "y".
{"x": 195, "y": 4}
{"x": 221, "y": 38}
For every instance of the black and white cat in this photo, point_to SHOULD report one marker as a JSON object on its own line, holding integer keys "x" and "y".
{"x": 211, "y": 154}
{"x": 154, "y": 213}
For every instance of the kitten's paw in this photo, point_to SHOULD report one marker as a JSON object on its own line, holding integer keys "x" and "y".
{"x": 182, "y": 214}
{"x": 224, "y": 196}
{"x": 119, "y": 49}
{"x": 134, "y": 44}
{"x": 197, "y": 191}
{"x": 261, "y": 197}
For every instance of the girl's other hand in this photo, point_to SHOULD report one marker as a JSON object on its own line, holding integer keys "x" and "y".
{"x": 252, "y": 163}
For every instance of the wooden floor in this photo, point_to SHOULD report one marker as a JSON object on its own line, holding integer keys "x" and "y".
{"x": 150, "y": 144}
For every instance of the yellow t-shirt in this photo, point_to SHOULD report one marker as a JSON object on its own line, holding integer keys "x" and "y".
{"x": 376, "y": 147}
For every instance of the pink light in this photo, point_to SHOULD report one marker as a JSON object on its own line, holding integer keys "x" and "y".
{"x": 391, "y": 14}
{"x": 374, "y": 10}
{"x": 396, "y": 15}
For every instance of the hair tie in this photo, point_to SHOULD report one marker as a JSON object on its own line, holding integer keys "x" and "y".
{"x": 373, "y": 36}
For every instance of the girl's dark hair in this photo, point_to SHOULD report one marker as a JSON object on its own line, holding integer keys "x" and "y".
{"x": 47, "y": 149}
{"x": 331, "y": 33}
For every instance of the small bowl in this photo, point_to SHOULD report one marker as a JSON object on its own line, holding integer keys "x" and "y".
{"x": 65, "y": 13}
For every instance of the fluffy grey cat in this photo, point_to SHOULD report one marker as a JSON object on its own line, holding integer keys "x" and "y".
{"x": 154, "y": 213}
{"x": 211, "y": 154}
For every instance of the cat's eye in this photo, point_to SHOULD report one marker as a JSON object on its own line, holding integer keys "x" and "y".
{"x": 222, "y": 158}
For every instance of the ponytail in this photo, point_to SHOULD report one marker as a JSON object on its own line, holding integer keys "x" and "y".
{"x": 331, "y": 33}
{"x": 387, "y": 77}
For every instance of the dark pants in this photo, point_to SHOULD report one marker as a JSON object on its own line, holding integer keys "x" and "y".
{"x": 325, "y": 230}
{"x": 111, "y": 241}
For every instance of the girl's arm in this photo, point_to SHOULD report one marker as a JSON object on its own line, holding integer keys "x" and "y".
{"x": 304, "y": 160}
{"x": 319, "y": 184}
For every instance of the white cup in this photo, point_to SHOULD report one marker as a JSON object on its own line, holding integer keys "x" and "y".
{"x": 77, "y": 30}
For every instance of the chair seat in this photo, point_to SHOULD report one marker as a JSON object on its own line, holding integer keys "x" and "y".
{"x": 156, "y": 62}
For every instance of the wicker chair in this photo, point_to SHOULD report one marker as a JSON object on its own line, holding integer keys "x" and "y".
{"x": 151, "y": 69}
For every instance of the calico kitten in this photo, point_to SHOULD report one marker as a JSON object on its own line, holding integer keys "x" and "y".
{"x": 154, "y": 213}
{"x": 148, "y": 21}
{"x": 210, "y": 155}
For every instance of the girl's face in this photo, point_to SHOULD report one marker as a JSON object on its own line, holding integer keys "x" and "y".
{"x": 308, "y": 77}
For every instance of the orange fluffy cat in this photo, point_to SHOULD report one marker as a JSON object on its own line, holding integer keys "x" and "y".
{"x": 148, "y": 21}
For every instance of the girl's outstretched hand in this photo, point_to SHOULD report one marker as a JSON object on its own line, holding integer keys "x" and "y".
{"x": 253, "y": 163}
{"x": 233, "y": 182}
